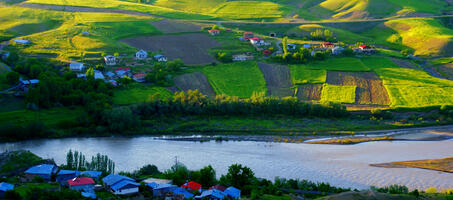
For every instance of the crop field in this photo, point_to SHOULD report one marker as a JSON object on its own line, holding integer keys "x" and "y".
{"x": 138, "y": 93}
{"x": 191, "y": 48}
{"x": 278, "y": 80}
{"x": 337, "y": 64}
{"x": 194, "y": 81}
{"x": 370, "y": 89}
{"x": 301, "y": 75}
{"x": 240, "y": 79}
{"x": 249, "y": 10}
{"x": 338, "y": 94}
{"x": 309, "y": 92}
{"x": 173, "y": 26}
{"x": 411, "y": 87}
{"x": 229, "y": 43}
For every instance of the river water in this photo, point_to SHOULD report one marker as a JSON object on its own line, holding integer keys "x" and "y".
{"x": 339, "y": 165}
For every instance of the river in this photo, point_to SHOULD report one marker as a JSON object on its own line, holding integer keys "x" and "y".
{"x": 339, "y": 165}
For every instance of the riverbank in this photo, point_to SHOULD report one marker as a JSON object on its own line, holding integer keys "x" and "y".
{"x": 443, "y": 165}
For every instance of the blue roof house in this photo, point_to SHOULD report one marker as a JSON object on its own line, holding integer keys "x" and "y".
{"x": 44, "y": 170}
{"x": 64, "y": 175}
{"x": 160, "y": 58}
{"x": 90, "y": 195}
{"x": 5, "y": 187}
{"x": 182, "y": 192}
{"x": 233, "y": 192}
{"x": 161, "y": 189}
{"x": 120, "y": 185}
{"x": 211, "y": 195}
{"x": 91, "y": 174}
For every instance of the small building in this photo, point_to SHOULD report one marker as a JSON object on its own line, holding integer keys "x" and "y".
{"x": 181, "y": 193}
{"x": 64, "y": 175}
{"x": 120, "y": 185}
{"x": 90, "y": 195}
{"x": 5, "y": 187}
{"x": 192, "y": 185}
{"x": 110, "y": 60}
{"x": 267, "y": 52}
{"x": 98, "y": 75}
{"x": 91, "y": 174}
{"x": 366, "y": 49}
{"x": 158, "y": 181}
{"x": 214, "y": 31}
{"x": 256, "y": 41}
{"x": 248, "y": 35}
{"x": 307, "y": 46}
{"x": 228, "y": 30}
{"x": 81, "y": 184}
{"x": 110, "y": 74}
{"x": 160, "y": 58}
{"x": 122, "y": 71}
{"x": 233, "y": 193}
{"x": 328, "y": 45}
{"x": 273, "y": 34}
{"x": 142, "y": 54}
{"x": 81, "y": 75}
{"x": 211, "y": 195}
{"x": 337, "y": 50}
{"x": 76, "y": 67}
{"x": 85, "y": 33}
{"x": 160, "y": 190}
{"x": 44, "y": 170}
{"x": 139, "y": 77}
{"x": 242, "y": 57}
{"x": 21, "y": 41}
{"x": 291, "y": 46}
{"x": 113, "y": 82}
{"x": 218, "y": 187}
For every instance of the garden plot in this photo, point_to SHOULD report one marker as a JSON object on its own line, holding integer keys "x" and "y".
{"x": 309, "y": 92}
{"x": 192, "y": 48}
{"x": 278, "y": 80}
{"x": 194, "y": 81}
{"x": 173, "y": 26}
{"x": 370, "y": 89}
{"x": 405, "y": 63}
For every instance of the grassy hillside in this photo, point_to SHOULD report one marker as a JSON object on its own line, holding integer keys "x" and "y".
{"x": 338, "y": 64}
{"x": 249, "y": 10}
{"x": 300, "y": 74}
{"x": 138, "y": 93}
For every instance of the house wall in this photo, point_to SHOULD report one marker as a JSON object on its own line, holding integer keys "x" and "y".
{"x": 126, "y": 191}
{"x": 89, "y": 187}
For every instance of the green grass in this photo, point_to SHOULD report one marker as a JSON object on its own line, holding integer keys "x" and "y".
{"x": 340, "y": 34}
{"x": 23, "y": 190}
{"x": 338, "y": 64}
{"x": 200, "y": 6}
{"x": 138, "y": 93}
{"x": 411, "y": 87}
{"x": 272, "y": 197}
{"x": 50, "y": 117}
{"x": 15, "y": 160}
{"x": 338, "y": 94}
{"x": 249, "y": 10}
{"x": 301, "y": 75}
{"x": 442, "y": 61}
{"x": 239, "y": 79}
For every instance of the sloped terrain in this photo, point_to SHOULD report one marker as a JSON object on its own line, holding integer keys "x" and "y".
{"x": 194, "y": 81}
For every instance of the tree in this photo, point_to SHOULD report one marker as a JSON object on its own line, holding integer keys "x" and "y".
{"x": 285, "y": 45}
{"x": 405, "y": 52}
{"x": 205, "y": 176}
{"x": 116, "y": 54}
{"x": 12, "y": 77}
{"x": 12, "y": 58}
{"x": 89, "y": 73}
{"x": 100, "y": 67}
{"x": 238, "y": 176}
{"x": 215, "y": 27}
{"x": 178, "y": 173}
{"x": 120, "y": 119}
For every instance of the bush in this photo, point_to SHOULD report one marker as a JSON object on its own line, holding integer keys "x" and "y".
{"x": 431, "y": 190}
{"x": 12, "y": 77}
{"x": 224, "y": 57}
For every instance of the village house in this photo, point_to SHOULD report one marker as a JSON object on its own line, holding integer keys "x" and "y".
{"x": 233, "y": 193}
{"x": 366, "y": 49}
{"x": 113, "y": 82}
{"x": 139, "y": 77}
{"x": 162, "y": 189}
{"x": 328, "y": 45}
{"x": 214, "y": 31}
{"x": 44, "y": 170}
{"x": 248, "y": 35}
{"x": 228, "y": 30}
{"x": 91, "y": 174}
{"x": 192, "y": 185}
{"x": 110, "y": 60}
{"x": 160, "y": 58}
{"x": 76, "y": 67}
{"x": 218, "y": 187}
{"x": 27, "y": 83}
{"x": 64, "y": 175}
{"x": 142, "y": 54}
{"x": 256, "y": 41}
{"x": 121, "y": 72}
{"x": 81, "y": 184}
{"x": 81, "y": 75}
{"x": 273, "y": 34}
{"x": 211, "y": 195}
{"x": 98, "y": 75}
{"x": 267, "y": 52}
{"x": 337, "y": 50}
{"x": 110, "y": 75}
{"x": 85, "y": 33}
{"x": 21, "y": 41}
{"x": 120, "y": 185}
{"x": 291, "y": 46}
{"x": 242, "y": 57}
{"x": 158, "y": 181}
{"x": 5, "y": 187}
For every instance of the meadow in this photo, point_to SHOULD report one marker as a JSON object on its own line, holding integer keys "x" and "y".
{"x": 139, "y": 93}
{"x": 240, "y": 79}
{"x": 49, "y": 117}
{"x": 337, "y": 64}
{"x": 300, "y": 74}
{"x": 338, "y": 94}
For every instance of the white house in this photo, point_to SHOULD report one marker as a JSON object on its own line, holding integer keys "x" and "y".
{"x": 110, "y": 60}
{"x": 160, "y": 58}
{"x": 141, "y": 55}
{"x": 21, "y": 41}
{"x": 242, "y": 57}
{"x": 98, "y": 75}
{"x": 77, "y": 67}
{"x": 337, "y": 50}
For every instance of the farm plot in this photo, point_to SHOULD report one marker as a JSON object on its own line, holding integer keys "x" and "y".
{"x": 339, "y": 64}
{"x": 405, "y": 63}
{"x": 301, "y": 75}
{"x": 278, "y": 80}
{"x": 309, "y": 92}
{"x": 338, "y": 94}
{"x": 194, "y": 81}
{"x": 192, "y": 48}
{"x": 370, "y": 89}
{"x": 138, "y": 93}
{"x": 173, "y": 26}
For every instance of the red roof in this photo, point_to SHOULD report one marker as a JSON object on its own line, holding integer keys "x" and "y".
{"x": 228, "y": 29}
{"x": 266, "y": 52}
{"x": 139, "y": 75}
{"x": 255, "y": 38}
{"x": 214, "y": 30}
{"x": 80, "y": 181}
{"x": 125, "y": 69}
{"x": 327, "y": 43}
{"x": 248, "y": 33}
{"x": 364, "y": 46}
{"x": 192, "y": 185}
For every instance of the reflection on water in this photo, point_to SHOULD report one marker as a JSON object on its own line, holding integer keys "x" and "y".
{"x": 345, "y": 165}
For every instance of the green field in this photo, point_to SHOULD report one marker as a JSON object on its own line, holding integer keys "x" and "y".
{"x": 301, "y": 75}
{"x": 338, "y": 94}
{"x": 338, "y": 64}
{"x": 240, "y": 79}
{"x": 49, "y": 117}
{"x": 138, "y": 93}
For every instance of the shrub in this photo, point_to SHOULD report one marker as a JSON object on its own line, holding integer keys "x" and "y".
{"x": 431, "y": 190}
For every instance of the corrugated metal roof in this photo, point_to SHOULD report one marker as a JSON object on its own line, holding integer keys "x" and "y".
{"x": 6, "y": 186}
{"x": 232, "y": 191}
{"x": 68, "y": 172}
{"x": 121, "y": 184}
{"x": 46, "y": 169}
{"x": 113, "y": 178}
{"x": 92, "y": 174}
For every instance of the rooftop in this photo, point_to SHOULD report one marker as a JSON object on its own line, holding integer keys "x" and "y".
{"x": 80, "y": 181}
{"x": 46, "y": 169}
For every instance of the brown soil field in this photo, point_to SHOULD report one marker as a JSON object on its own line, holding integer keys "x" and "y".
{"x": 278, "y": 80}
{"x": 195, "y": 81}
{"x": 309, "y": 92}
{"x": 405, "y": 63}
{"x": 370, "y": 89}
{"x": 446, "y": 71}
{"x": 191, "y": 48}
{"x": 173, "y": 26}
